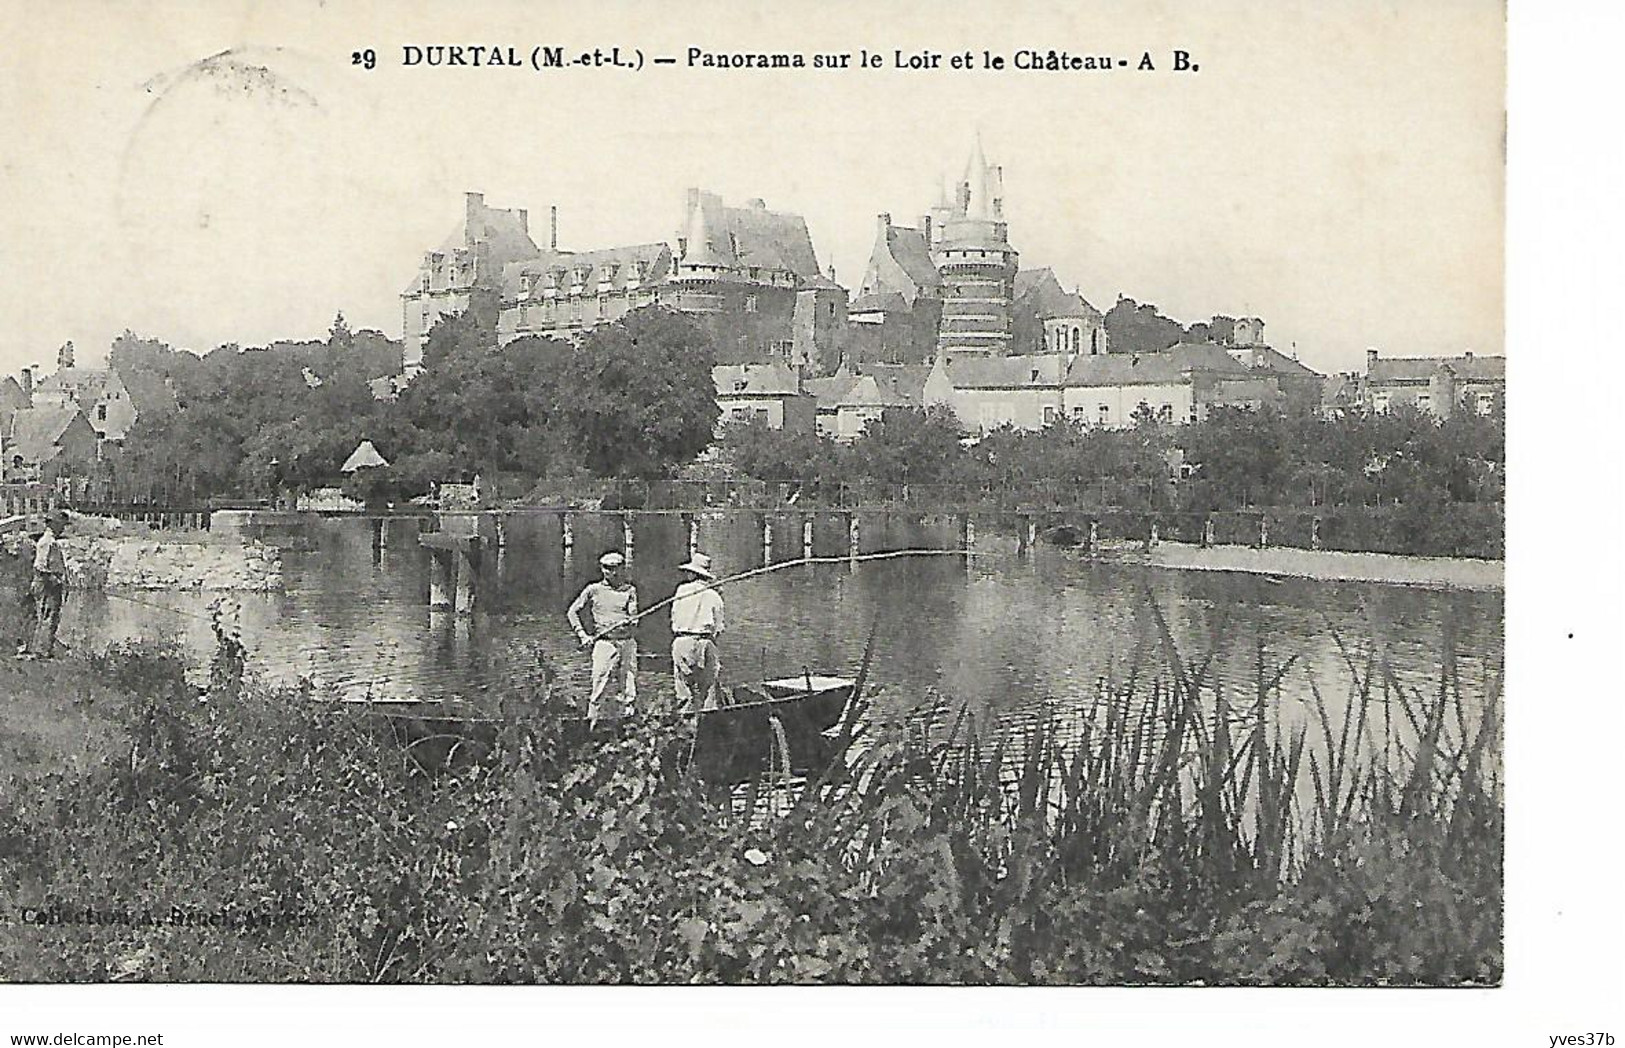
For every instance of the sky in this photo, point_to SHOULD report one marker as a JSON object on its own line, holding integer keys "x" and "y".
{"x": 223, "y": 172}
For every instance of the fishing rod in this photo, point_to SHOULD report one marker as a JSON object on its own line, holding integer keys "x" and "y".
{"x": 797, "y": 562}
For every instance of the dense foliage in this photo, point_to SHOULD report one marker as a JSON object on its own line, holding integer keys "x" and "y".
{"x": 1175, "y": 840}
{"x": 1401, "y": 481}
{"x": 633, "y": 400}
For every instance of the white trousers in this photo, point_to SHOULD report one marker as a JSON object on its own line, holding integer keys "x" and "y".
{"x": 613, "y": 661}
{"x": 695, "y": 668}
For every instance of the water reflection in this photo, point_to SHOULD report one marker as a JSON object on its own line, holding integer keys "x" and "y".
{"x": 1001, "y": 633}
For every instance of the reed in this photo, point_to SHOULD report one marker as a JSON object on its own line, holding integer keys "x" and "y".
{"x": 1167, "y": 831}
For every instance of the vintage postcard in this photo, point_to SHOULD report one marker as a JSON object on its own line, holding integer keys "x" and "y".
{"x": 747, "y": 495}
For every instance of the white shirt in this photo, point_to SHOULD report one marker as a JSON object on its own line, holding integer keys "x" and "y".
{"x": 48, "y": 558}
{"x": 697, "y": 608}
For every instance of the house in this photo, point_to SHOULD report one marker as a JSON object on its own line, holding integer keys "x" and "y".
{"x": 1301, "y": 387}
{"x": 770, "y": 393}
{"x": 1439, "y": 385}
{"x": 111, "y": 399}
{"x": 45, "y": 442}
{"x": 1342, "y": 393}
{"x": 989, "y": 392}
{"x": 849, "y": 400}
{"x": 1179, "y": 385}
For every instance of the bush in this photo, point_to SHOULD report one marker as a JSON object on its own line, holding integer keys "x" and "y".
{"x": 1162, "y": 837}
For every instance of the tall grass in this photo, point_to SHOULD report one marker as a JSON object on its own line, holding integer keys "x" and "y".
{"x": 1166, "y": 832}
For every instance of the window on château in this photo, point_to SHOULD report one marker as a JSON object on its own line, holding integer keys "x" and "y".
{"x": 750, "y": 303}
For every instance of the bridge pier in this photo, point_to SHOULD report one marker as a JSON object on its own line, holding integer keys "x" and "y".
{"x": 853, "y": 534}
{"x": 807, "y": 538}
{"x": 454, "y": 562}
{"x": 767, "y": 539}
{"x": 567, "y": 533}
{"x": 467, "y": 580}
{"x": 691, "y": 524}
{"x": 628, "y": 540}
{"x": 441, "y": 570}
{"x": 1094, "y": 536}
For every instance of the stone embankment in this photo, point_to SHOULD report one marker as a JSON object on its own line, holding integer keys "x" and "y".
{"x": 103, "y": 554}
{"x": 1434, "y": 572}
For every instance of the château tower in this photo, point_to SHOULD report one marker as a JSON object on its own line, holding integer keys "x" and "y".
{"x": 977, "y": 264}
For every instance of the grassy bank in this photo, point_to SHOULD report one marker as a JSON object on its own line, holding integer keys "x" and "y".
{"x": 1167, "y": 834}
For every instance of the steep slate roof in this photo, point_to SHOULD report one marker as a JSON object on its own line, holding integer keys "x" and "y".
{"x": 883, "y": 302}
{"x": 1037, "y": 369}
{"x": 499, "y": 228}
{"x": 1039, "y": 291}
{"x": 832, "y": 388}
{"x": 35, "y": 432}
{"x": 1124, "y": 369}
{"x": 149, "y": 391}
{"x": 1202, "y": 356}
{"x": 870, "y": 392}
{"x": 750, "y": 236}
{"x": 906, "y": 380}
{"x": 909, "y": 248}
{"x": 85, "y": 385}
{"x": 12, "y": 398}
{"x": 1282, "y": 364}
{"x": 1401, "y": 369}
{"x": 656, "y": 256}
{"x": 755, "y": 380}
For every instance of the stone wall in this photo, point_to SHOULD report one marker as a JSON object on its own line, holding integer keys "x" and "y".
{"x": 106, "y": 561}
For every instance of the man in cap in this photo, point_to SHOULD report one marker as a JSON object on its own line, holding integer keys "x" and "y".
{"x": 696, "y": 619}
{"x": 612, "y": 604}
{"x": 49, "y": 583}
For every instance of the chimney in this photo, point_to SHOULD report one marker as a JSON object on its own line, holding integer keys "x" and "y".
{"x": 473, "y": 217}
{"x": 28, "y": 382}
{"x": 925, "y": 227}
{"x": 882, "y": 223}
{"x": 1468, "y": 355}
{"x": 1370, "y": 360}
{"x": 524, "y": 220}
{"x": 553, "y": 228}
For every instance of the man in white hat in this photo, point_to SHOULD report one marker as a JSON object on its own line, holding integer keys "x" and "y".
{"x": 696, "y": 619}
{"x": 612, "y": 604}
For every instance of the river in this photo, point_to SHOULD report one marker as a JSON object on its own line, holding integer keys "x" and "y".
{"x": 1005, "y": 632}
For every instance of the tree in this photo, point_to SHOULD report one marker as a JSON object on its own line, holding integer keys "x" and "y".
{"x": 1132, "y": 327}
{"x": 636, "y": 397}
{"x": 339, "y": 336}
{"x": 910, "y": 446}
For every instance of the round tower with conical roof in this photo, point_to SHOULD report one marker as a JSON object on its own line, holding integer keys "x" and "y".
{"x": 977, "y": 264}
